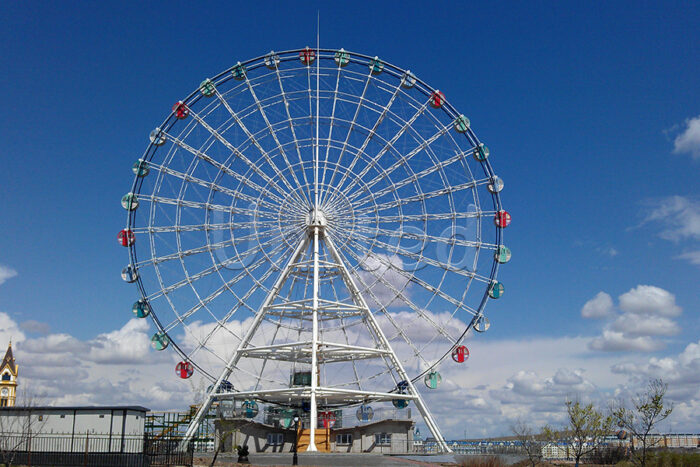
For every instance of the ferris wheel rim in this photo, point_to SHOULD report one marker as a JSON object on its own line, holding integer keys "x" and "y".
{"x": 257, "y": 62}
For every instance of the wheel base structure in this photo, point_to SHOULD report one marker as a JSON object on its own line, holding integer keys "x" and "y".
{"x": 318, "y": 351}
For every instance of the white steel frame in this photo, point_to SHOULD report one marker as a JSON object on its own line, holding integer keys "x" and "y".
{"x": 315, "y": 232}
{"x": 328, "y": 352}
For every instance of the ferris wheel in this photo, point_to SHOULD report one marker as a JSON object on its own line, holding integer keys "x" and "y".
{"x": 315, "y": 228}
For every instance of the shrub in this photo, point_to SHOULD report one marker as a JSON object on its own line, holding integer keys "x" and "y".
{"x": 664, "y": 458}
{"x": 482, "y": 461}
{"x": 607, "y": 455}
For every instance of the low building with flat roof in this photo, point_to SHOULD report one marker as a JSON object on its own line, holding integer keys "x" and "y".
{"x": 75, "y": 420}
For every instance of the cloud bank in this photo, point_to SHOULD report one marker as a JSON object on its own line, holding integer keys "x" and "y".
{"x": 645, "y": 315}
{"x": 503, "y": 381}
{"x": 688, "y": 142}
{"x": 6, "y": 273}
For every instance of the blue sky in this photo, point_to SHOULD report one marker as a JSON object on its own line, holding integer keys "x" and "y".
{"x": 583, "y": 105}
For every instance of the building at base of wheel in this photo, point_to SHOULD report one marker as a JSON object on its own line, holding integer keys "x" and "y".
{"x": 75, "y": 423}
{"x": 387, "y": 436}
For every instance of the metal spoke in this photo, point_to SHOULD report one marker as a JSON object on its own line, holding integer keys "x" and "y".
{"x": 277, "y": 141}
{"x": 423, "y": 238}
{"x": 402, "y": 161}
{"x": 400, "y": 295}
{"x": 426, "y": 259}
{"x": 200, "y": 227}
{"x": 352, "y": 126}
{"x": 227, "y": 170}
{"x": 206, "y": 206}
{"x": 330, "y": 132}
{"x": 208, "y": 248}
{"x": 416, "y": 198}
{"x": 264, "y": 153}
{"x": 446, "y": 216}
{"x": 436, "y": 290}
{"x": 215, "y": 268}
{"x": 291, "y": 128}
{"x": 413, "y": 179}
{"x": 400, "y": 331}
{"x": 371, "y": 133}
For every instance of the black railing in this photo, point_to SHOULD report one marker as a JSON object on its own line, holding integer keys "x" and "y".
{"x": 93, "y": 450}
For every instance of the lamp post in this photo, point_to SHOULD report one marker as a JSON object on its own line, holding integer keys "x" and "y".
{"x": 295, "y": 459}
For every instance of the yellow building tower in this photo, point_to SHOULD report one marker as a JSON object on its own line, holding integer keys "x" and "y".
{"x": 8, "y": 379}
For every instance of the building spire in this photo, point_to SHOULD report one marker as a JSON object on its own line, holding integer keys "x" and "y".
{"x": 8, "y": 379}
{"x": 9, "y": 360}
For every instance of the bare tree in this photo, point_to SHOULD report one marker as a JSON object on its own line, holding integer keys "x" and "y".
{"x": 18, "y": 425}
{"x": 647, "y": 412}
{"x": 199, "y": 391}
{"x": 530, "y": 441}
{"x": 586, "y": 429}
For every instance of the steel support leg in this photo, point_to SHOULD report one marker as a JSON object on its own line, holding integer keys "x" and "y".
{"x": 204, "y": 408}
{"x": 372, "y": 322}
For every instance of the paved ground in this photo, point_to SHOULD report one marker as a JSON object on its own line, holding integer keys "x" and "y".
{"x": 334, "y": 460}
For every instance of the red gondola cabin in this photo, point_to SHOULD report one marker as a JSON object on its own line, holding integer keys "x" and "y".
{"x": 184, "y": 369}
{"x": 126, "y": 237}
{"x": 502, "y": 219}
{"x": 460, "y": 354}
{"x": 307, "y": 56}
{"x": 437, "y": 99}
{"x": 180, "y": 110}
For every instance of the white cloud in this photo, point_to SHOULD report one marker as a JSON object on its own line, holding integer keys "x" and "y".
{"x": 680, "y": 372}
{"x": 9, "y": 330}
{"x": 646, "y": 314}
{"x": 56, "y": 343}
{"x": 126, "y": 345}
{"x": 36, "y": 327}
{"x": 117, "y": 367}
{"x": 613, "y": 341}
{"x": 6, "y": 273}
{"x": 567, "y": 377}
{"x": 649, "y": 300}
{"x": 600, "y": 306}
{"x": 518, "y": 378}
{"x": 688, "y": 142}
{"x": 679, "y": 215}
{"x": 679, "y": 218}
{"x": 692, "y": 256}
{"x": 381, "y": 281}
{"x": 633, "y": 325}
{"x": 564, "y": 382}
{"x": 608, "y": 250}
{"x": 502, "y": 381}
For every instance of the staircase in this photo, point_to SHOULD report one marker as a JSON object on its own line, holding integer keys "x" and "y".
{"x": 323, "y": 439}
{"x": 166, "y": 424}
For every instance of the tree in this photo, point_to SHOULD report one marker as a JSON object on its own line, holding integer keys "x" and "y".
{"x": 586, "y": 429}
{"x": 648, "y": 411}
{"x": 17, "y": 426}
{"x": 529, "y": 440}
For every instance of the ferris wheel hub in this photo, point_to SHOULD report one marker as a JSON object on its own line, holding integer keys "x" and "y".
{"x": 316, "y": 218}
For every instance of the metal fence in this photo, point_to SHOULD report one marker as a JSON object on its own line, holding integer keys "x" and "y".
{"x": 93, "y": 450}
